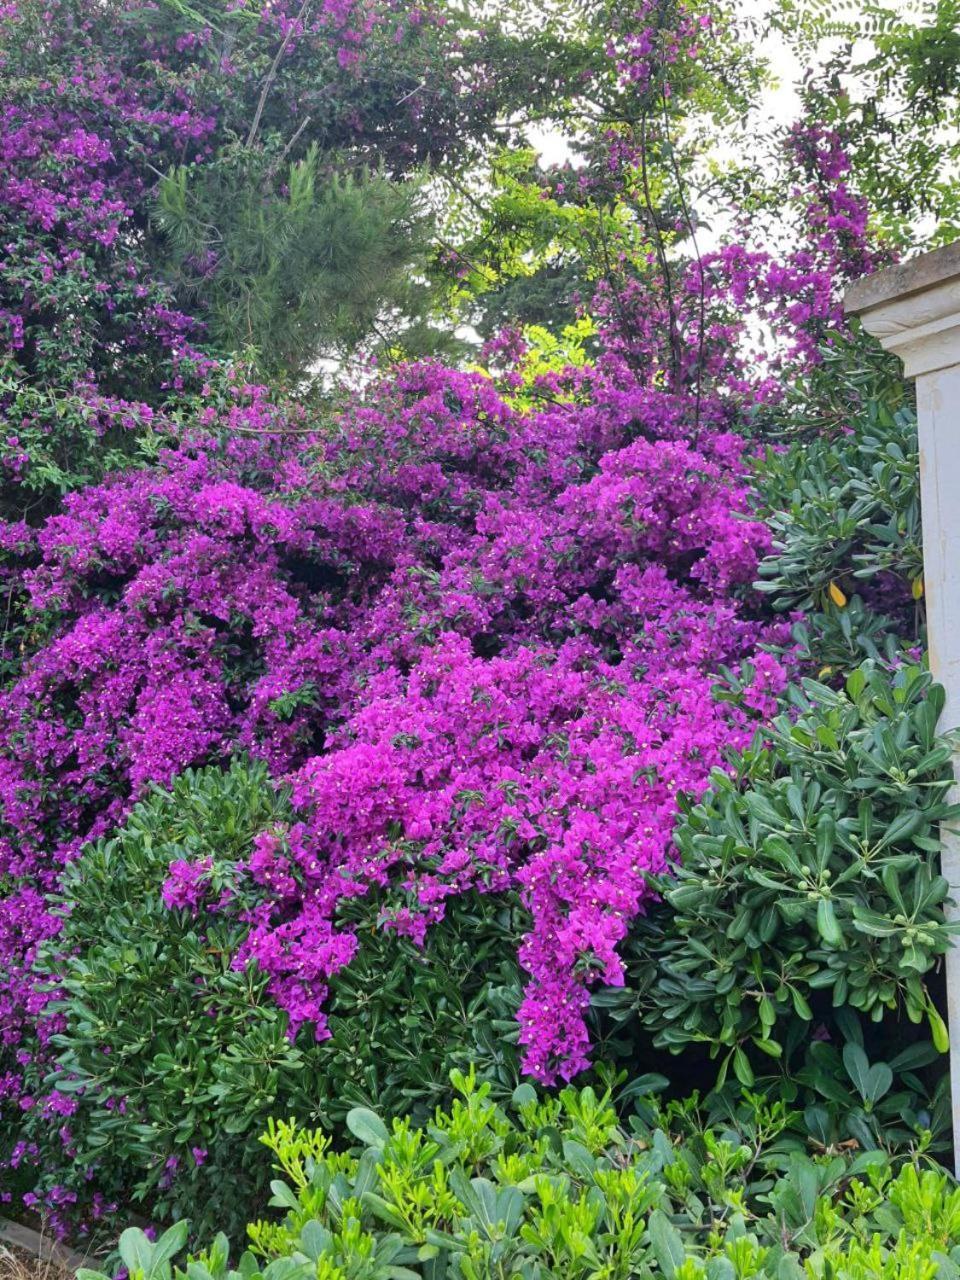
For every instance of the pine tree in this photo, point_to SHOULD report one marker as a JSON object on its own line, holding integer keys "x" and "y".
{"x": 296, "y": 261}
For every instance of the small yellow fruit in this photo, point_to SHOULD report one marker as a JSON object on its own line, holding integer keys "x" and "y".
{"x": 916, "y": 588}
{"x": 836, "y": 595}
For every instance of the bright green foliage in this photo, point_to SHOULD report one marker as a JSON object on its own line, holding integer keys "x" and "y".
{"x": 558, "y": 1190}
{"x": 294, "y": 262}
{"x": 155, "y": 1015}
{"x": 523, "y": 255}
{"x": 552, "y": 355}
{"x": 809, "y": 878}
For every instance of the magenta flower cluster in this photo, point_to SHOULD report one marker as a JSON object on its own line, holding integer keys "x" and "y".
{"x": 499, "y": 628}
{"x": 79, "y": 309}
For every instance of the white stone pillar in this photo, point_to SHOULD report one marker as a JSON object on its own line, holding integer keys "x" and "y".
{"x": 914, "y": 309}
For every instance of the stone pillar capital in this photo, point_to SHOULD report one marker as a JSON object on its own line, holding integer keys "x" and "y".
{"x": 914, "y": 309}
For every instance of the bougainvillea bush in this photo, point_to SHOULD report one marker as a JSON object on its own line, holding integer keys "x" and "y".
{"x": 478, "y": 643}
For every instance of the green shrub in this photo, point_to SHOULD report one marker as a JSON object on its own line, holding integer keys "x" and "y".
{"x": 835, "y": 641}
{"x": 557, "y": 1190}
{"x": 176, "y": 1060}
{"x": 808, "y": 881}
{"x": 842, "y": 499}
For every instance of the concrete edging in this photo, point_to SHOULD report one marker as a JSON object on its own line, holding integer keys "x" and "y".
{"x": 40, "y": 1246}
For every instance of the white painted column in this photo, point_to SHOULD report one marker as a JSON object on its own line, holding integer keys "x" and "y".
{"x": 914, "y": 309}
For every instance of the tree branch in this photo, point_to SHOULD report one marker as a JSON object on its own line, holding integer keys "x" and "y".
{"x": 272, "y": 73}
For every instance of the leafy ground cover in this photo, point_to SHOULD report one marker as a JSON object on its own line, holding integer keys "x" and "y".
{"x": 557, "y": 1188}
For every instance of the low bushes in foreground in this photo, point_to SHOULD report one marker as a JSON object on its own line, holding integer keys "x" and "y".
{"x": 168, "y": 1054}
{"x": 556, "y": 1187}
